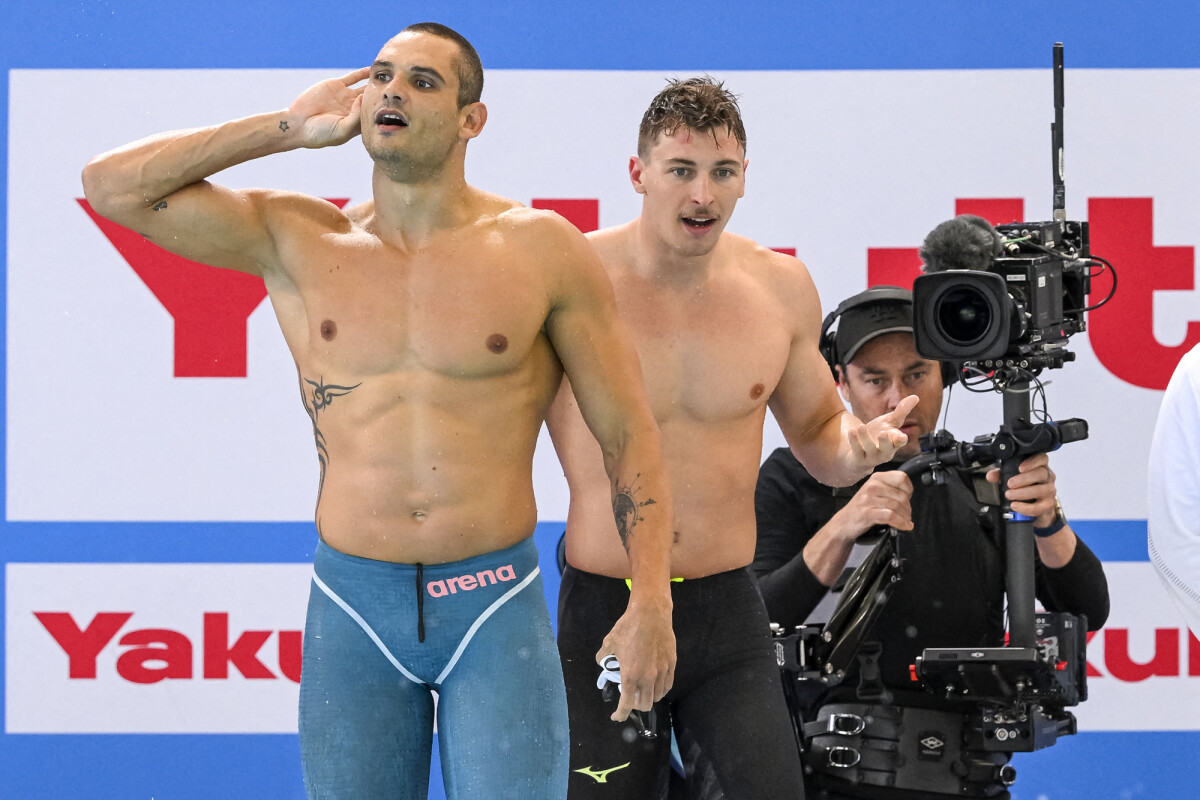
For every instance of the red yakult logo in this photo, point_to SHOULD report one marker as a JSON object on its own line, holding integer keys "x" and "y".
{"x": 151, "y": 655}
{"x": 1113, "y": 652}
{"x": 155, "y": 654}
{"x": 1122, "y": 331}
{"x": 210, "y": 305}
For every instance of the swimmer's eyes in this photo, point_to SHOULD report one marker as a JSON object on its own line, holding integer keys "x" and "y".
{"x": 721, "y": 173}
{"x": 419, "y": 81}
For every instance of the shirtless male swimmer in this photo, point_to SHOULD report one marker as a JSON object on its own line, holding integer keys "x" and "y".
{"x": 724, "y": 328}
{"x": 431, "y": 327}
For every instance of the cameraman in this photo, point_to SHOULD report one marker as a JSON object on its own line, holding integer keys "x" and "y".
{"x": 952, "y": 590}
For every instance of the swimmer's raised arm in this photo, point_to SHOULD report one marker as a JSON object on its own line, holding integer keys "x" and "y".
{"x": 157, "y": 186}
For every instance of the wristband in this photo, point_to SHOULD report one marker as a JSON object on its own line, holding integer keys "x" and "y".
{"x": 1060, "y": 522}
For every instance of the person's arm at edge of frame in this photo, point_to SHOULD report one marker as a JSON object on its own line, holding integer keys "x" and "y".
{"x": 605, "y": 375}
{"x": 1071, "y": 577}
{"x": 1173, "y": 490}
{"x": 835, "y": 447}
{"x": 157, "y": 186}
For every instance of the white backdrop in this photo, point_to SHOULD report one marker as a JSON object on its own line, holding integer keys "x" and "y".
{"x": 99, "y": 429}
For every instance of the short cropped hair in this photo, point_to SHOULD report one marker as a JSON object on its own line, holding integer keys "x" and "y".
{"x": 468, "y": 66}
{"x": 702, "y": 104}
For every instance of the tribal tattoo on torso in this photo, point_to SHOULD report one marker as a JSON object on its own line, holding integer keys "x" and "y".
{"x": 317, "y": 395}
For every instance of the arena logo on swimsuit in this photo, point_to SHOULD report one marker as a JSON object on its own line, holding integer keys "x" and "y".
{"x": 465, "y": 583}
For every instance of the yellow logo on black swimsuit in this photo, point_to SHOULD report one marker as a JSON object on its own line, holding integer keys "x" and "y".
{"x": 601, "y": 775}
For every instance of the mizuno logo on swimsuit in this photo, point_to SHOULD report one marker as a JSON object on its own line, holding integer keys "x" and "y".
{"x": 465, "y": 583}
{"x": 601, "y": 775}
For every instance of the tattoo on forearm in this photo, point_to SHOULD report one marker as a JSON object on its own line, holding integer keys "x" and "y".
{"x": 627, "y": 510}
{"x": 160, "y": 205}
{"x": 283, "y": 126}
{"x": 316, "y": 400}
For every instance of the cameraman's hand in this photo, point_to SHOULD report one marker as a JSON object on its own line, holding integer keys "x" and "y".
{"x": 1031, "y": 491}
{"x": 883, "y": 500}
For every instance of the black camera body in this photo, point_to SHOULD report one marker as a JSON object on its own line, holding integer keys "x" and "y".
{"x": 1020, "y": 311}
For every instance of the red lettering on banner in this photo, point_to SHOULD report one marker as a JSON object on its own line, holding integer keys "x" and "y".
{"x": 1193, "y": 655}
{"x": 291, "y": 649}
{"x": 1092, "y": 672}
{"x": 583, "y": 214}
{"x": 243, "y": 654}
{"x": 787, "y": 251}
{"x": 208, "y": 305}
{"x": 1165, "y": 661}
{"x": 174, "y": 650}
{"x": 158, "y": 653}
{"x": 900, "y": 266}
{"x": 82, "y": 646}
{"x": 1122, "y": 332}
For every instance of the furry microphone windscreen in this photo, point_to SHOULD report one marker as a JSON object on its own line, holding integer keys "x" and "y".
{"x": 964, "y": 242}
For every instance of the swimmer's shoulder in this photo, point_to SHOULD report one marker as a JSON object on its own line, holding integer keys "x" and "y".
{"x": 780, "y": 271}
{"x": 614, "y": 246}
{"x": 303, "y": 213}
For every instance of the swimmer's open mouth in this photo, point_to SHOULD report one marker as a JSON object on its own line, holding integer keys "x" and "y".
{"x": 699, "y": 222}
{"x": 390, "y": 119}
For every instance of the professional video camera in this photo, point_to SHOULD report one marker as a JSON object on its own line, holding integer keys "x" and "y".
{"x": 1002, "y": 302}
{"x": 1018, "y": 312}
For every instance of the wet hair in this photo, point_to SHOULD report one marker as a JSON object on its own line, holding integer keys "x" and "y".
{"x": 467, "y": 66}
{"x": 701, "y": 104}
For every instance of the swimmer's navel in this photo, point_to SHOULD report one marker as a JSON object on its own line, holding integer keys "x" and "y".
{"x": 419, "y": 516}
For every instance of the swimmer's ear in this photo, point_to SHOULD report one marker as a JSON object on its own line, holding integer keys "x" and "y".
{"x": 472, "y": 118}
{"x": 635, "y": 174}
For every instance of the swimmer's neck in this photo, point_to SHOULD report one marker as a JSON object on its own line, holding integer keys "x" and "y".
{"x": 408, "y": 213}
{"x": 659, "y": 261}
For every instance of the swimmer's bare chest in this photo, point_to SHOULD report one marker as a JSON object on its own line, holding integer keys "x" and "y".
{"x": 471, "y": 309}
{"x": 708, "y": 356}
{"x": 426, "y": 377}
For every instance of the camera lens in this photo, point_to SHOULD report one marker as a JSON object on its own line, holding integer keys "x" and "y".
{"x": 964, "y": 316}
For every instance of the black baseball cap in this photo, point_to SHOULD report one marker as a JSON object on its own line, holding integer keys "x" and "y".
{"x": 866, "y": 317}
